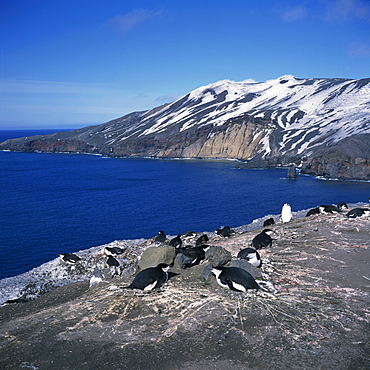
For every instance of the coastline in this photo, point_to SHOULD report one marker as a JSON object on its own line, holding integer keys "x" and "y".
{"x": 55, "y": 273}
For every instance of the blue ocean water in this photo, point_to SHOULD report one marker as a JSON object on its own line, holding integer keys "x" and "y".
{"x": 57, "y": 203}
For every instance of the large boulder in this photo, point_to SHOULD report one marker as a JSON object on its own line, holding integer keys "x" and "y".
{"x": 153, "y": 256}
{"x": 245, "y": 265}
{"x": 217, "y": 255}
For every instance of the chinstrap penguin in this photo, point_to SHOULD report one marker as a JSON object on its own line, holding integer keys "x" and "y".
{"x": 113, "y": 265}
{"x": 160, "y": 238}
{"x": 176, "y": 242}
{"x": 235, "y": 278}
{"x": 69, "y": 258}
{"x": 225, "y": 232}
{"x": 268, "y": 222}
{"x": 150, "y": 278}
{"x": 194, "y": 254}
{"x": 358, "y": 212}
{"x": 251, "y": 255}
{"x": 286, "y": 213}
{"x": 113, "y": 251}
{"x": 96, "y": 278}
{"x": 263, "y": 239}
{"x": 329, "y": 208}
{"x": 203, "y": 239}
{"x": 313, "y": 211}
{"x": 342, "y": 206}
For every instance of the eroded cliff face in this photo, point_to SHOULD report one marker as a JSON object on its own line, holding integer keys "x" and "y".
{"x": 241, "y": 140}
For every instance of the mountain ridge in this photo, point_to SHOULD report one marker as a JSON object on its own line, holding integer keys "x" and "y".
{"x": 317, "y": 123}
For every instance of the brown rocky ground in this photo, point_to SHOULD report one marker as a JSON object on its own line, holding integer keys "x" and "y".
{"x": 318, "y": 319}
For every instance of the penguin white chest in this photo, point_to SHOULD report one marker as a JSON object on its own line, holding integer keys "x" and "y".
{"x": 286, "y": 213}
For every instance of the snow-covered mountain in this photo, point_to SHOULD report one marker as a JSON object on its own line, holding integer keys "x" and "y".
{"x": 269, "y": 123}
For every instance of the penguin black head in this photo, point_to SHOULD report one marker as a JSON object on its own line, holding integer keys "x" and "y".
{"x": 342, "y": 206}
{"x": 251, "y": 255}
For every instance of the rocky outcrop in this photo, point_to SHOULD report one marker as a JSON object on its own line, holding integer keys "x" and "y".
{"x": 349, "y": 159}
{"x": 317, "y": 319}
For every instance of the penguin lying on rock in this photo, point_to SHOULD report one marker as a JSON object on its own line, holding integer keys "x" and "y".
{"x": 313, "y": 211}
{"x": 358, "y": 212}
{"x": 225, "y": 232}
{"x": 329, "y": 209}
{"x": 251, "y": 255}
{"x": 113, "y": 251}
{"x": 176, "y": 242}
{"x": 69, "y": 258}
{"x": 150, "y": 278}
{"x": 263, "y": 239}
{"x": 191, "y": 255}
{"x": 203, "y": 239}
{"x": 236, "y": 279}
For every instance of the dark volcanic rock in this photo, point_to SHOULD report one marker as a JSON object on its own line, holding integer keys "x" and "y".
{"x": 349, "y": 159}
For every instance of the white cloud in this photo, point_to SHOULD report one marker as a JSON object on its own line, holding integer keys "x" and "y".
{"x": 125, "y": 23}
{"x": 358, "y": 50}
{"x": 294, "y": 13}
{"x": 169, "y": 98}
{"x": 347, "y": 10}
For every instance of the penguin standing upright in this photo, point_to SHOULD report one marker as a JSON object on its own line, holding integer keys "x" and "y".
{"x": 113, "y": 265}
{"x": 97, "y": 277}
{"x": 160, "y": 238}
{"x": 150, "y": 278}
{"x": 286, "y": 213}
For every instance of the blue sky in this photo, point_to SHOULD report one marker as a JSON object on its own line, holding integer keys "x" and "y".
{"x": 73, "y": 63}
